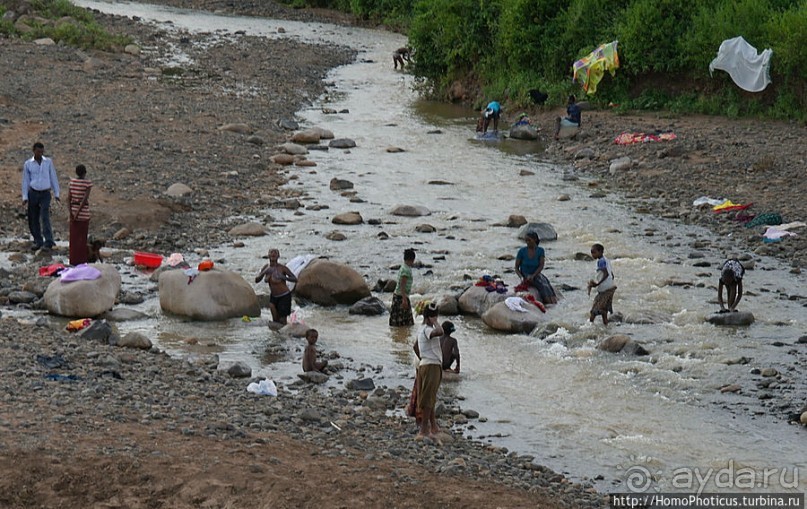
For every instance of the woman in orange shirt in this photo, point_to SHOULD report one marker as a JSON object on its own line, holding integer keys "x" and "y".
{"x": 78, "y": 196}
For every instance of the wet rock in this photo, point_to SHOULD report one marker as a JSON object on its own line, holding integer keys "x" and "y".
{"x": 121, "y": 234}
{"x": 239, "y": 370}
{"x": 123, "y": 315}
{"x": 307, "y": 136}
{"x": 21, "y": 297}
{"x": 803, "y": 418}
{"x": 102, "y": 332}
{"x": 340, "y": 184}
{"x": 330, "y": 283}
{"x": 293, "y": 149}
{"x": 585, "y": 153}
{"x": 324, "y": 134}
{"x": 348, "y": 218}
{"x": 256, "y": 140}
{"x": 448, "y": 305}
{"x": 248, "y": 230}
{"x": 135, "y": 340}
{"x": 545, "y": 231}
{"x": 425, "y": 228}
{"x": 361, "y": 384}
{"x": 282, "y": 159}
{"x": 502, "y": 318}
{"x": 515, "y": 221}
{"x": 313, "y": 377}
{"x": 621, "y": 343}
{"x": 524, "y": 132}
{"x": 395, "y": 150}
{"x": 476, "y": 300}
{"x": 369, "y": 306}
{"x": 85, "y": 298}
{"x": 342, "y": 143}
{"x": 215, "y": 294}
{"x": 288, "y": 124}
{"x": 409, "y": 211}
{"x": 737, "y": 318}
{"x": 336, "y": 236}
{"x": 564, "y": 197}
{"x": 731, "y": 388}
{"x": 178, "y": 190}
{"x": 769, "y": 372}
{"x": 802, "y": 340}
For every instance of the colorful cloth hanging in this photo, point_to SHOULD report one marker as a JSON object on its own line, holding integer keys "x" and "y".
{"x": 589, "y": 70}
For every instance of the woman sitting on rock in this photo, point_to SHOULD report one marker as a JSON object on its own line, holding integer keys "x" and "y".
{"x": 530, "y": 268}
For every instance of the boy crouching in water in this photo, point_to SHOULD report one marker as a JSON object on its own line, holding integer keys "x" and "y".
{"x": 310, "y": 362}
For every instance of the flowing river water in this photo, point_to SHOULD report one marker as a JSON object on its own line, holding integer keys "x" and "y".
{"x": 584, "y": 412}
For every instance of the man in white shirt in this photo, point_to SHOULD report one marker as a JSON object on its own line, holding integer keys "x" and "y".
{"x": 38, "y": 181}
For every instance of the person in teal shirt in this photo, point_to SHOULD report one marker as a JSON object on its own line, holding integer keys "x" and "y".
{"x": 492, "y": 111}
{"x": 400, "y": 313}
{"x": 530, "y": 268}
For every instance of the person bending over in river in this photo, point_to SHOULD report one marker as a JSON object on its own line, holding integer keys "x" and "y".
{"x": 401, "y": 56}
{"x": 731, "y": 277}
{"x": 530, "y": 268}
{"x": 604, "y": 283}
{"x": 310, "y": 362}
{"x": 448, "y": 344}
{"x": 276, "y": 275}
{"x": 400, "y": 313}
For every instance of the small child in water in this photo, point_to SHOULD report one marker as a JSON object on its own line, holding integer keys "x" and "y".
{"x": 310, "y": 362}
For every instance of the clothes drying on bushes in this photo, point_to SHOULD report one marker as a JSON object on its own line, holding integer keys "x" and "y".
{"x": 749, "y": 69}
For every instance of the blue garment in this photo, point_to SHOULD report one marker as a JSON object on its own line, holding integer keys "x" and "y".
{"x": 494, "y": 107}
{"x": 39, "y": 177}
{"x": 529, "y": 265}
{"x": 573, "y": 113}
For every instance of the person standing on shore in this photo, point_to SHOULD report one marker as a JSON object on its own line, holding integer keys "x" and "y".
{"x": 400, "y": 313}
{"x": 38, "y": 181}
{"x": 430, "y": 372}
{"x": 731, "y": 277}
{"x": 78, "y": 196}
{"x": 276, "y": 275}
{"x": 604, "y": 283}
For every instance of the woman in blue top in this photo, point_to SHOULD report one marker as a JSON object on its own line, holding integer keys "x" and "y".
{"x": 530, "y": 268}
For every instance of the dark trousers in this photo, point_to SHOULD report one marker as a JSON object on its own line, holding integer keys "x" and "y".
{"x": 39, "y": 217}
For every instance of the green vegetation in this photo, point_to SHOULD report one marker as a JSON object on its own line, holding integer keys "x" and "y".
{"x": 506, "y": 47}
{"x": 64, "y": 23}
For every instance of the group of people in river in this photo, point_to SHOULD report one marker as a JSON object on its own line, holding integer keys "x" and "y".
{"x": 569, "y": 124}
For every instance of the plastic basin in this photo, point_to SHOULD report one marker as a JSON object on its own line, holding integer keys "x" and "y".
{"x": 149, "y": 260}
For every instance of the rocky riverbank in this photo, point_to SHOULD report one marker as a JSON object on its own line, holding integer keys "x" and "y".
{"x": 87, "y": 424}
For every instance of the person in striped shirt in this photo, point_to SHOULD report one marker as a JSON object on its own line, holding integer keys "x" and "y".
{"x": 78, "y": 196}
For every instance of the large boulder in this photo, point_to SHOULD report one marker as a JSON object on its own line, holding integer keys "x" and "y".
{"x": 545, "y": 231}
{"x": 215, "y": 294}
{"x": 448, "y": 305}
{"x": 476, "y": 300}
{"x": 86, "y": 298}
{"x": 502, "y": 318}
{"x": 738, "y": 318}
{"x": 524, "y": 132}
{"x": 329, "y": 283}
{"x": 369, "y": 306}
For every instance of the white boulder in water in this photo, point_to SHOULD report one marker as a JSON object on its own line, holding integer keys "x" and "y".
{"x": 86, "y": 298}
{"x": 215, "y": 294}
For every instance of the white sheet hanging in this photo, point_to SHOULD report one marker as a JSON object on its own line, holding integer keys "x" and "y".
{"x": 748, "y": 69}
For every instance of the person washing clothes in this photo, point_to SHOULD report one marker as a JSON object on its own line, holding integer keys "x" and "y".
{"x": 492, "y": 112}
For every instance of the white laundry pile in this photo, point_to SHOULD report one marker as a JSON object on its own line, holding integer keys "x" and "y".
{"x": 748, "y": 69}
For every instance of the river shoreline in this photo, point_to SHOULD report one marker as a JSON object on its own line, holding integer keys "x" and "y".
{"x": 163, "y": 401}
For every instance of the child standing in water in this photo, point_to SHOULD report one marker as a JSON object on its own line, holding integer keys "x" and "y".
{"x": 604, "y": 283}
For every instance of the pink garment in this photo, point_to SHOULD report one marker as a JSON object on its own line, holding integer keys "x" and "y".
{"x": 81, "y": 272}
{"x": 774, "y": 233}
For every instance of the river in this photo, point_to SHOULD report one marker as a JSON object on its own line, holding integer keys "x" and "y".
{"x": 578, "y": 410}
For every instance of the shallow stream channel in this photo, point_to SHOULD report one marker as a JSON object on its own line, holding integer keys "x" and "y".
{"x": 617, "y": 419}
